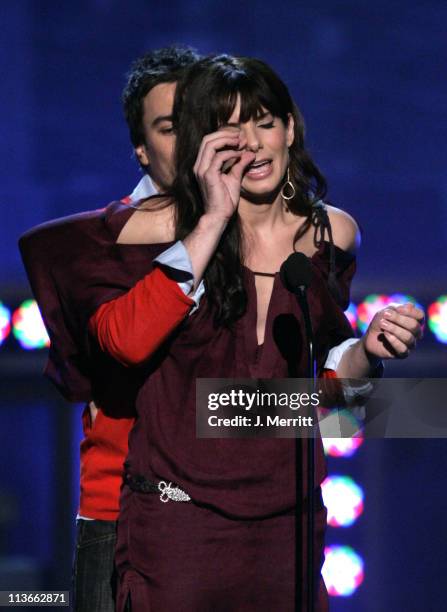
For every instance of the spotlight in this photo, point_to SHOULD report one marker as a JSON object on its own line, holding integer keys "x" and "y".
{"x": 351, "y": 315}
{"x": 5, "y": 323}
{"x": 343, "y": 499}
{"x": 437, "y": 318}
{"x": 342, "y": 447}
{"x": 342, "y": 570}
{"x": 28, "y": 327}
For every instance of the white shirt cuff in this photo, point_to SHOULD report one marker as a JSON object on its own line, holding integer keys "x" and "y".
{"x": 177, "y": 259}
{"x": 357, "y": 392}
{"x": 337, "y": 352}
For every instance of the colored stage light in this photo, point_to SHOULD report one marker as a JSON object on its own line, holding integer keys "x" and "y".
{"x": 437, "y": 318}
{"x": 375, "y": 302}
{"x": 28, "y": 327}
{"x": 343, "y": 499}
{"x": 342, "y": 447}
{"x": 342, "y": 570}
{"x": 351, "y": 315}
{"x": 5, "y": 323}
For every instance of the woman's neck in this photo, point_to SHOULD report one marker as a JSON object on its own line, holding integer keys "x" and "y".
{"x": 268, "y": 229}
{"x": 261, "y": 219}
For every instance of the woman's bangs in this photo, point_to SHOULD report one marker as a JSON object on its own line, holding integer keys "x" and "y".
{"x": 255, "y": 101}
{"x": 226, "y": 104}
{"x": 252, "y": 105}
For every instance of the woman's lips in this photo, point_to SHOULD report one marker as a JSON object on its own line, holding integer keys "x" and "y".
{"x": 260, "y": 170}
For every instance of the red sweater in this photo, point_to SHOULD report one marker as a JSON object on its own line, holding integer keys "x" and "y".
{"x": 148, "y": 313}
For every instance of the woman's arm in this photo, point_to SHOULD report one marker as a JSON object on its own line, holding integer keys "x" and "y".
{"x": 345, "y": 231}
{"x": 392, "y": 333}
{"x": 220, "y": 193}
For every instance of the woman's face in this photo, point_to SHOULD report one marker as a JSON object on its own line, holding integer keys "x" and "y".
{"x": 270, "y": 139}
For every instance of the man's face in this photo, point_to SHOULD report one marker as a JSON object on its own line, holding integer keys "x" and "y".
{"x": 158, "y": 150}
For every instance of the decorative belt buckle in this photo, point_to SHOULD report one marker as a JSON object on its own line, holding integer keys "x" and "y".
{"x": 169, "y": 492}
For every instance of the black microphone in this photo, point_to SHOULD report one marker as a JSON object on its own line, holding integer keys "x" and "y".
{"x": 296, "y": 272}
{"x": 296, "y": 276}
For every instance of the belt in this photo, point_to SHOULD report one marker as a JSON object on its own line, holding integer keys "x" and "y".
{"x": 167, "y": 490}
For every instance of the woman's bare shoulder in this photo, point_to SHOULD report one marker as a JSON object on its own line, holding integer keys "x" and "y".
{"x": 345, "y": 230}
{"x": 151, "y": 223}
{"x": 154, "y": 203}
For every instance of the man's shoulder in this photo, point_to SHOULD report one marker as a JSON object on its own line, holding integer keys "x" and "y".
{"x": 61, "y": 225}
{"x": 67, "y": 231}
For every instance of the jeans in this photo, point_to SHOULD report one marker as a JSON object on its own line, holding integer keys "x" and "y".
{"x": 94, "y": 578}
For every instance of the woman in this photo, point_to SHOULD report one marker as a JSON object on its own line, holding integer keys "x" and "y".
{"x": 247, "y": 194}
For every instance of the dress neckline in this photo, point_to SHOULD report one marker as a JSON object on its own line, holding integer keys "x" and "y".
{"x": 321, "y": 251}
{"x": 269, "y": 274}
{"x": 116, "y": 215}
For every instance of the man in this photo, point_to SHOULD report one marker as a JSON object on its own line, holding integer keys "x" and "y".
{"x": 147, "y": 100}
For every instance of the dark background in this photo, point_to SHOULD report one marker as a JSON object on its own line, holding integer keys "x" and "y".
{"x": 370, "y": 80}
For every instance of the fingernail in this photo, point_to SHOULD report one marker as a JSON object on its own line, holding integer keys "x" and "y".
{"x": 386, "y": 324}
{"x": 388, "y": 314}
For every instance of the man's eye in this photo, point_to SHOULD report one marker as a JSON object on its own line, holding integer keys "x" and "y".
{"x": 267, "y": 126}
{"x": 167, "y": 130}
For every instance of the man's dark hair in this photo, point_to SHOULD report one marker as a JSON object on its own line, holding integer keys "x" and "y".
{"x": 165, "y": 65}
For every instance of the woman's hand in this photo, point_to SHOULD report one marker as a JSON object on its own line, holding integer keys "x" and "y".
{"x": 392, "y": 334}
{"x": 218, "y": 177}
{"x": 394, "y": 331}
{"x": 220, "y": 164}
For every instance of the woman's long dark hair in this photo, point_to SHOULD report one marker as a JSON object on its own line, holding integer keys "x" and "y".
{"x": 205, "y": 99}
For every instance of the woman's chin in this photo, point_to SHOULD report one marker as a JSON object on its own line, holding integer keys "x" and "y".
{"x": 261, "y": 197}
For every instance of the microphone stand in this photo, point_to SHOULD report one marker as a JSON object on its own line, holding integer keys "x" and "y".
{"x": 310, "y": 473}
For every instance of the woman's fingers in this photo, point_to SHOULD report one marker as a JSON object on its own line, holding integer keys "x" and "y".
{"x": 245, "y": 159}
{"x": 412, "y": 311}
{"x": 395, "y": 346}
{"x": 408, "y": 318}
{"x": 400, "y": 327}
{"x": 396, "y": 330}
{"x": 211, "y": 144}
{"x": 404, "y": 335}
{"x": 219, "y": 160}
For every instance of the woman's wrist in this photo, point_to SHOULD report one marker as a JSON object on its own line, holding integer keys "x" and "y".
{"x": 373, "y": 360}
{"x": 357, "y": 362}
{"x": 213, "y": 222}
{"x": 202, "y": 242}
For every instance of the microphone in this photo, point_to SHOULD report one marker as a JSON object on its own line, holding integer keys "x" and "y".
{"x": 296, "y": 273}
{"x": 296, "y": 276}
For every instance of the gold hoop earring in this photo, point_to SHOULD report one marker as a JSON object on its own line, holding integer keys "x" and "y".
{"x": 288, "y": 185}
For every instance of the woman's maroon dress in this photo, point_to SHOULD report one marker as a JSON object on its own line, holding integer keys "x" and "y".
{"x": 232, "y": 547}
